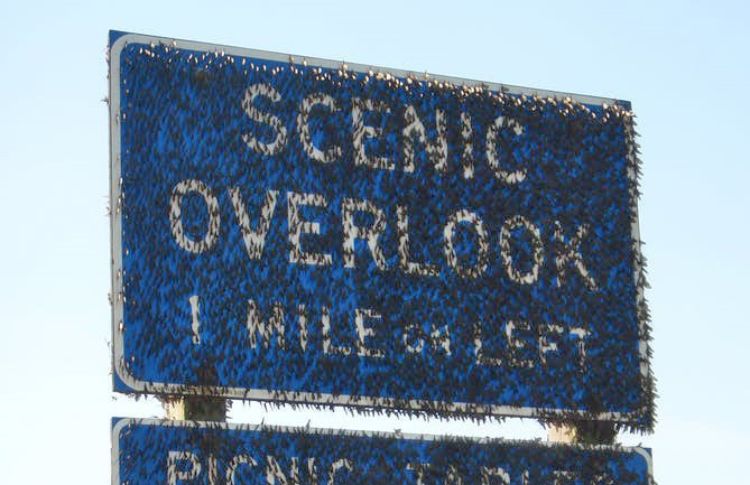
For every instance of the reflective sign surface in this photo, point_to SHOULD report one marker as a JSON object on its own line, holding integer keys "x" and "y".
{"x": 310, "y": 231}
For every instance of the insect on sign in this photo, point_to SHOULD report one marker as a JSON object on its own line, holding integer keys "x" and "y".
{"x": 309, "y": 231}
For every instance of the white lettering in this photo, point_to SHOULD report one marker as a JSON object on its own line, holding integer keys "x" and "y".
{"x": 235, "y": 464}
{"x": 258, "y": 116}
{"x": 453, "y": 477}
{"x": 420, "y": 469}
{"x": 581, "y": 334}
{"x": 328, "y": 347}
{"x": 364, "y": 332}
{"x": 336, "y": 466}
{"x": 481, "y": 357}
{"x": 316, "y": 99}
{"x": 353, "y": 232}
{"x": 196, "y": 325}
{"x": 563, "y": 477}
{"x": 483, "y": 247}
{"x": 173, "y": 474}
{"x": 409, "y": 267}
{"x": 213, "y": 470}
{"x": 515, "y": 344}
{"x": 570, "y": 251}
{"x": 255, "y": 324}
{"x": 545, "y": 345}
{"x": 274, "y": 472}
{"x": 297, "y": 227}
{"x": 302, "y": 322}
{"x": 175, "y": 216}
{"x": 501, "y": 122}
{"x": 361, "y": 131}
{"x": 437, "y": 150}
{"x": 509, "y": 225}
{"x": 254, "y": 240}
{"x": 467, "y": 155}
{"x": 439, "y": 338}
{"x": 312, "y": 470}
{"x": 488, "y": 473}
{"x": 413, "y": 332}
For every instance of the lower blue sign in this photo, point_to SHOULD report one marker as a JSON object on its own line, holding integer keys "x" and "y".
{"x": 155, "y": 451}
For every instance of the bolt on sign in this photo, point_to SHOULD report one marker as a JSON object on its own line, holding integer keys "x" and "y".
{"x": 154, "y": 451}
{"x": 324, "y": 233}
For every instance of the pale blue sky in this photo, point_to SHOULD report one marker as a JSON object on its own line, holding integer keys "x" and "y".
{"x": 684, "y": 65}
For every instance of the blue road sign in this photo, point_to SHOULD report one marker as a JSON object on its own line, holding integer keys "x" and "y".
{"x": 302, "y": 230}
{"x": 154, "y": 451}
